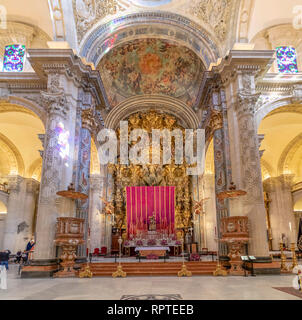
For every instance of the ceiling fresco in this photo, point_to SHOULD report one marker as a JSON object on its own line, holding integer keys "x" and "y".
{"x": 151, "y": 66}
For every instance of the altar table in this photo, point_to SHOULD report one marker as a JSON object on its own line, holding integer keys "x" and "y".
{"x": 146, "y": 251}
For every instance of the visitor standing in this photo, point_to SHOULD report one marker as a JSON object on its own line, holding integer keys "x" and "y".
{"x": 3, "y": 277}
{"x": 4, "y": 258}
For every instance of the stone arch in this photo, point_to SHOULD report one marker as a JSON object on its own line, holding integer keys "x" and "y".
{"x": 185, "y": 115}
{"x": 297, "y": 196}
{"x": 209, "y": 161}
{"x": 13, "y": 154}
{"x": 35, "y": 169}
{"x": 267, "y": 108}
{"x": 266, "y": 169}
{"x": 94, "y": 162}
{"x": 288, "y": 153}
{"x": 20, "y": 104}
{"x": 159, "y": 24}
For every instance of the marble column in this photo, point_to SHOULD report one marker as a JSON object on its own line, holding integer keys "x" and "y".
{"x": 95, "y": 211}
{"x": 2, "y": 225}
{"x": 107, "y": 220}
{"x": 199, "y": 235}
{"x": 28, "y": 211}
{"x": 281, "y": 209}
{"x": 32, "y": 192}
{"x": 14, "y": 212}
{"x": 219, "y": 125}
{"x": 211, "y": 228}
{"x": 54, "y": 168}
{"x": 82, "y": 184}
{"x": 251, "y": 180}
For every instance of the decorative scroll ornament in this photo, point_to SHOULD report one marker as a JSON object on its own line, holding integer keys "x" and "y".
{"x": 216, "y": 14}
{"x": 89, "y": 12}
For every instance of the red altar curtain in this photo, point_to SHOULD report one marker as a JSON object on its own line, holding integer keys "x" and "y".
{"x": 142, "y": 202}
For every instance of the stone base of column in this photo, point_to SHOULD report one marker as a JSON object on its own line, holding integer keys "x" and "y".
{"x": 40, "y": 268}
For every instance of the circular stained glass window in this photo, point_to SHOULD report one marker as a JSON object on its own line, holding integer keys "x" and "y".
{"x": 150, "y": 3}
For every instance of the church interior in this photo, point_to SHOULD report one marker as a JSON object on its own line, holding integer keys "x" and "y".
{"x": 231, "y": 69}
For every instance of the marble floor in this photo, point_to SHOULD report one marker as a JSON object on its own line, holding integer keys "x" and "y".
{"x": 197, "y": 288}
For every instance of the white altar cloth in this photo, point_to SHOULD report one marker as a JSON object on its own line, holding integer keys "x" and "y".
{"x": 151, "y": 248}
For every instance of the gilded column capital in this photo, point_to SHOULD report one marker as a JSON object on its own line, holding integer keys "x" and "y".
{"x": 88, "y": 119}
{"x": 245, "y": 105}
{"x": 216, "y": 120}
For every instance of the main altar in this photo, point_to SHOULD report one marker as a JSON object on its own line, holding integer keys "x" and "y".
{"x": 151, "y": 204}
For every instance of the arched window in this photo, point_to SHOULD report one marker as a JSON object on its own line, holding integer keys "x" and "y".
{"x": 287, "y": 59}
{"x": 14, "y": 55}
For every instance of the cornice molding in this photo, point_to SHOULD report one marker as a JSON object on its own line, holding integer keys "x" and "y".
{"x": 64, "y": 61}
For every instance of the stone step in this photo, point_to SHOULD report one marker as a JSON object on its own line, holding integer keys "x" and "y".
{"x": 153, "y": 268}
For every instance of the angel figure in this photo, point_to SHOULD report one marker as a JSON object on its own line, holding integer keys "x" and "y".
{"x": 109, "y": 208}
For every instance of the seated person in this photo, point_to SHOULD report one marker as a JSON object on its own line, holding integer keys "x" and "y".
{"x": 24, "y": 257}
{"x": 18, "y": 256}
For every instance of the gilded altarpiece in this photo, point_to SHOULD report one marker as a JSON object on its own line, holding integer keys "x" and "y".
{"x": 153, "y": 174}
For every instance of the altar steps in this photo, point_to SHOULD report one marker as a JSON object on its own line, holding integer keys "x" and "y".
{"x": 197, "y": 268}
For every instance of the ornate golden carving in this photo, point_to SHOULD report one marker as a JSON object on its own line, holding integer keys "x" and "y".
{"x": 153, "y": 174}
{"x": 88, "y": 119}
{"x": 119, "y": 272}
{"x": 219, "y": 270}
{"x": 295, "y": 261}
{"x": 184, "y": 272}
{"x": 69, "y": 235}
{"x": 86, "y": 273}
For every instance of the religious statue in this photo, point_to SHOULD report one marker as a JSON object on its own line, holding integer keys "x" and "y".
{"x": 152, "y": 223}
